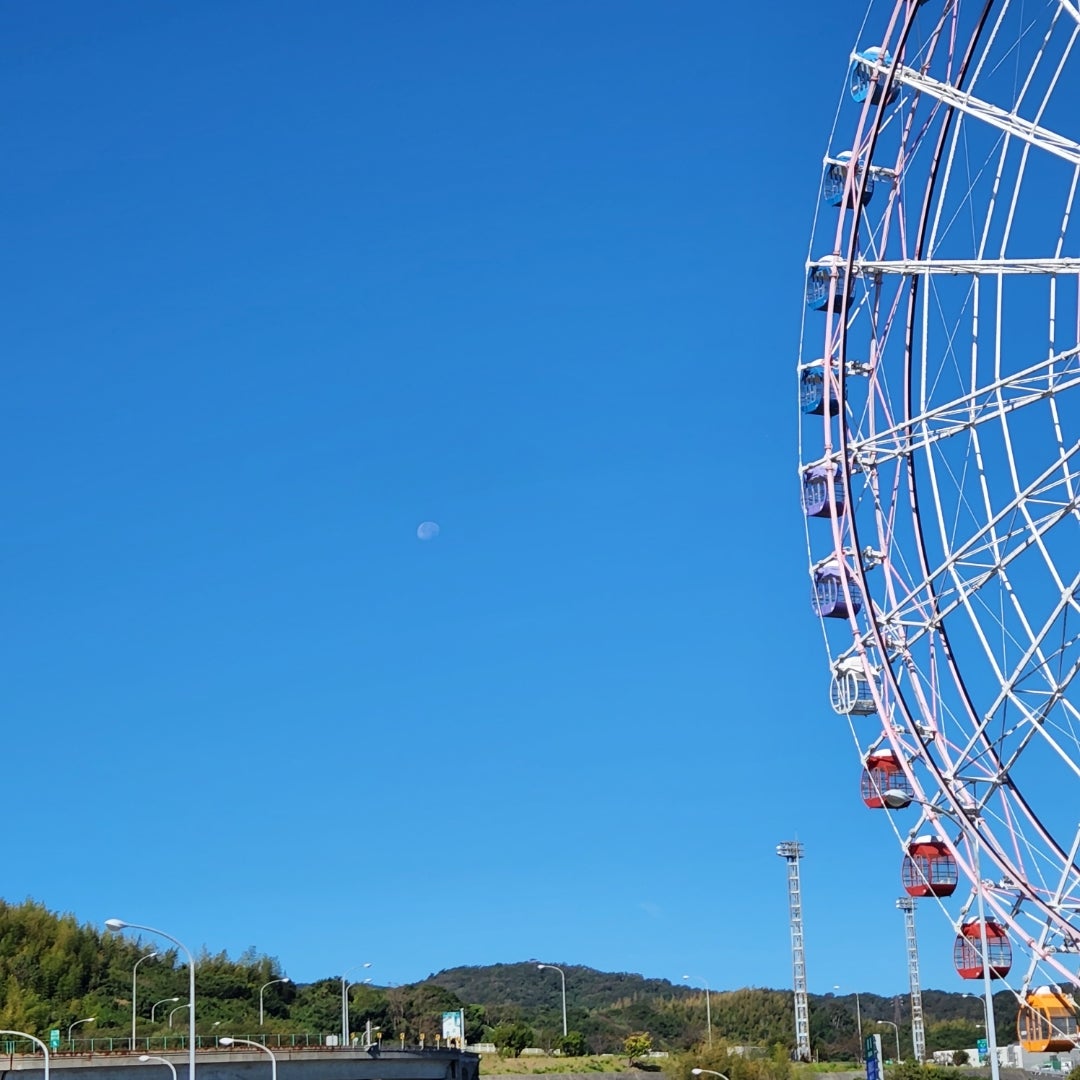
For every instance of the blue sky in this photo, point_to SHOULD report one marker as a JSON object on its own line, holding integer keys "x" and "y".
{"x": 282, "y": 282}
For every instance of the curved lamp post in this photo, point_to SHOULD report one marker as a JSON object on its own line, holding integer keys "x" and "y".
{"x": 708, "y": 1072}
{"x": 895, "y": 799}
{"x": 163, "y": 1001}
{"x": 562, "y": 974}
{"x": 151, "y": 1057}
{"x": 261, "y": 989}
{"x": 897, "y": 1030}
{"x": 708, "y": 1008}
{"x": 173, "y": 1012}
{"x": 119, "y": 924}
{"x": 134, "y": 987}
{"x": 33, "y": 1039}
{"x": 345, "y": 1002}
{"x": 71, "y": 1027}
{"x": 227, "y": 1040}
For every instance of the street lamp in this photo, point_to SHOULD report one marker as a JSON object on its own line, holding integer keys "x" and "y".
{"x": 345, "y": 1003}
{"x": 897, "y": 1030}
{"x": 896, "y": 799}
{"x": 708, "y": 1072}
{"x": 261, "y": 989}
{"x": 562, "y": 974}
{"x": 858, "y": 1020}
{"x": 227, "y": 1040}
{"x": 179, "y": 1008}
{"x": 163, "y": 1001}
{"x": 119, "y": 924}
{"x": 85, "y": 1020}
{"x": 152, "y": 1057}
{"x": 134, "y": 976}
{"x": 33, "y": 1039}
{"x": 708, "y": 1008}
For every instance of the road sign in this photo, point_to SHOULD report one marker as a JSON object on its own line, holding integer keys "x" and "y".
{"x": 872, "y": 1056}
{"x": 54, "y": 1038}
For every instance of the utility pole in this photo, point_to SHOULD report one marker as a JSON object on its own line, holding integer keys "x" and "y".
{"x": 791, "y": 851}
{"x": 918, "y": 1032}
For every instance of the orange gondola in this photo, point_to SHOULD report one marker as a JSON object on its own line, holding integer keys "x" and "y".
{"x": 1047, "y": 1021}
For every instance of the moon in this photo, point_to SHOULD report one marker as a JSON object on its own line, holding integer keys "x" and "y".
{"x": 427, "y": 530}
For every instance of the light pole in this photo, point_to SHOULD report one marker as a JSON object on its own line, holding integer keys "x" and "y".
{"x": 152, "y": 1057}
{"x": 895, "y": 1028}
{"x": 227, "y": 1040}
{"x": 345, "y": 1002}
{"x": 540, "y": 967}
{"x": 708, "y": 1008}
{"x": 708, "y": 1072}
{"x": 33, "y": 1039}
{"x": 163, "y": 1001}
{"x": 897, "y": 800}
{"x": 858, "y": 1021}
{"x": 119, "y": 924}
{"x": 348, "y": 1002}
{"x": 84, "y": 1020}
{"x": 261, "y": 989}
{"x": 179, "y": 1008}
{"x": 134, "y": 986}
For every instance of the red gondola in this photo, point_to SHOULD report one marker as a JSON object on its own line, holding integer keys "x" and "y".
{"x": 929, "y": 868}
{"x": 967, "y": 951}
{"x": 882, "y": 773}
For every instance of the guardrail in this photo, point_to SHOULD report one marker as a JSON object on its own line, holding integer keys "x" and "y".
{"x": 163, "y": 1044}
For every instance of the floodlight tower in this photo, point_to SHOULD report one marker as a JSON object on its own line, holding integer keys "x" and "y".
{"x": 792, "y": 851}
{"x": 918, "y": 1033}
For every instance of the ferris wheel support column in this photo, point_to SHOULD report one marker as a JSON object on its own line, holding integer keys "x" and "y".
{"x": 988, "y": 993}
{"x": 791, "y": 852}
{"x": 918, "y": 1031}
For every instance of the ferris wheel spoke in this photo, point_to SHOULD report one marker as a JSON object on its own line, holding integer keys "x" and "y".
{"x": 1040, "y": 382}
{"x": 962, "y": 267}
{"x": 943, "y": 601}
{"x": 1070, "y": 9}
{"x": 964, "y": 102}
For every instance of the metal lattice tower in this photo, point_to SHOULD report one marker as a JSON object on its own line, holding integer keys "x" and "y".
{"x": 918, "y": 1031}
{"x": 792, "y": 851}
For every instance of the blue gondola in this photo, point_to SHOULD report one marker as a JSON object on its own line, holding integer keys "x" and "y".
{"x": 819, "y": 280}
{"x": 827, "y": 595}
{"x": 813, "y": 396}
{"x": 815, "y": 493}
{"x": 867, "y": 82}
{"x": 834, "y": 189}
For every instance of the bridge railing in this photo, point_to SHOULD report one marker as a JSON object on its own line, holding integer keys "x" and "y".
{"x": 176, "y": 1044}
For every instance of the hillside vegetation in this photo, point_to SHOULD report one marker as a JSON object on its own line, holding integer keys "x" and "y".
{"x": 54, "y": 971}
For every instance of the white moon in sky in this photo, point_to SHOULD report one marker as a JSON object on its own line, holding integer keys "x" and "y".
{"x": 427, "y": 530}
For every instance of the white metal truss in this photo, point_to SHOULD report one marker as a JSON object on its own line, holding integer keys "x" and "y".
{"x": 792, "y": 851}
{"x": 971, "y": 267}
{"x": 918, "y": 1029}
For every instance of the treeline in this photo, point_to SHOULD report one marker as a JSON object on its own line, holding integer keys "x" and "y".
{"x": 54, "y": 971}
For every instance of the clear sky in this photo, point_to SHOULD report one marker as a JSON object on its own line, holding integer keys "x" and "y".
{"x": 282, "y": 281}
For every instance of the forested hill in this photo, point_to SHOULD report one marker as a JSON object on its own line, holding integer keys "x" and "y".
{"x": 55, "y": 971}
{"x": 526, "y": 987}
{"x": 605, "y": 1006}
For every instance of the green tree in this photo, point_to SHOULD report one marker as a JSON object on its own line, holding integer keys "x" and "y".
{"x": 572, "y": 1044}
{"x": 511, "y": 1039}
{"x": 637, "y": 1044}
{"x": 960, "y": 1057}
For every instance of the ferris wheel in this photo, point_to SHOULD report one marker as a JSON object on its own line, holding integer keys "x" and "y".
{"x": 939, "y": 389}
